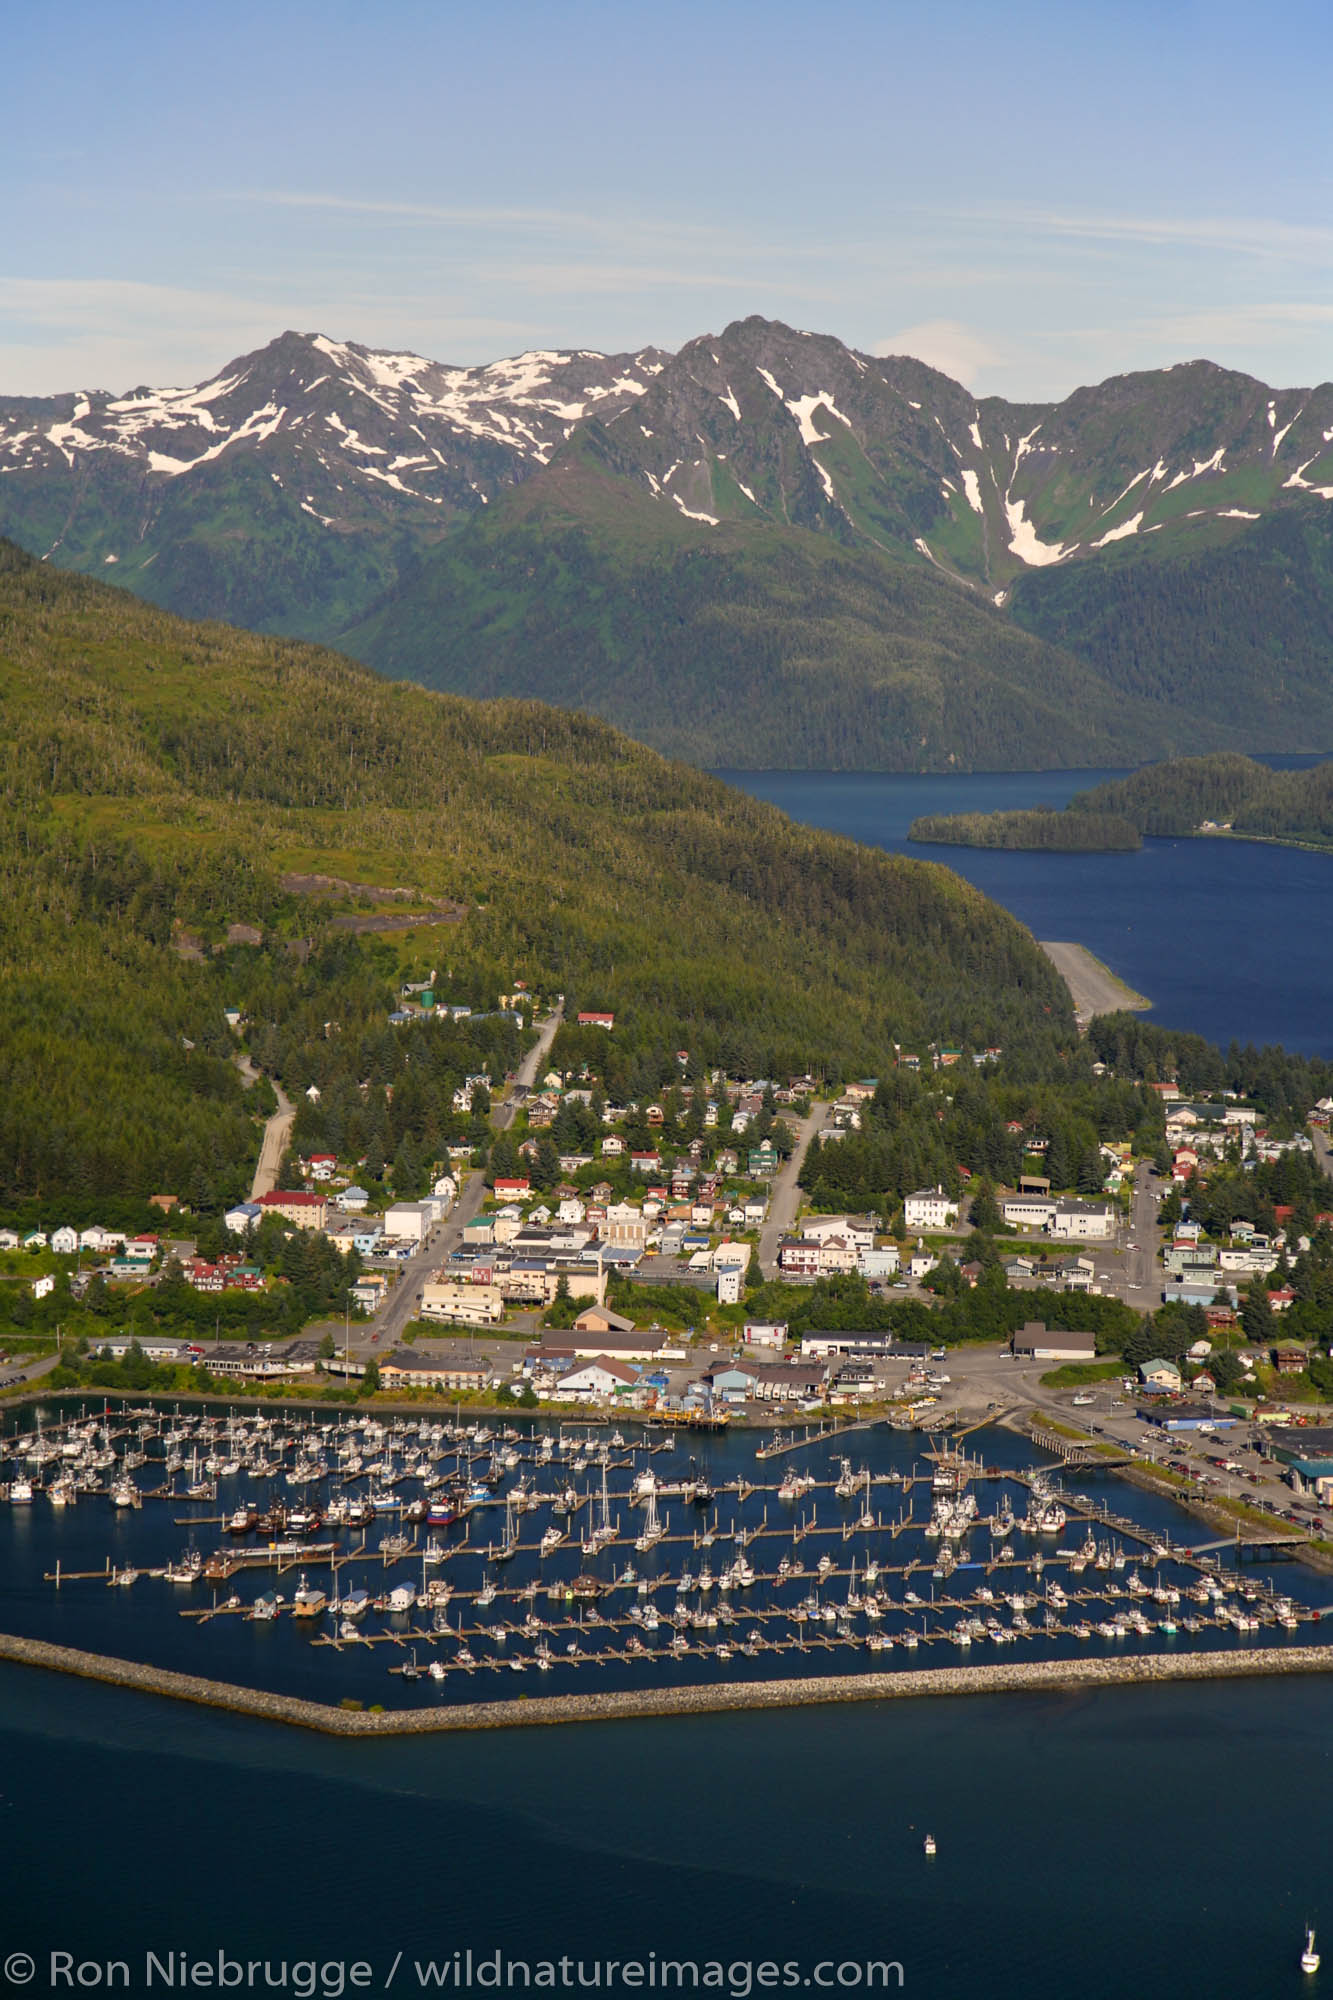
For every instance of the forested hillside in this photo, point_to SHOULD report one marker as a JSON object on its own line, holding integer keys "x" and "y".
{"x": 1222, "y": 796}
{"x": 1232, "y": 794}
{"x": 174, "y": 792}
{"x": 737, "y": 644}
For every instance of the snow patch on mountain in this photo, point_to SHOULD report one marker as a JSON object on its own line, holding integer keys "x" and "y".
{"x": 1024, "y": 541}
{"x": 1200, "y": 467}
{"x": 1126, "y": 528}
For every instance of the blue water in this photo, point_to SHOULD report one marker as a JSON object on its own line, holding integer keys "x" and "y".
{"x": 1096, "y": 1845}
{"x": 1230, "y": 939}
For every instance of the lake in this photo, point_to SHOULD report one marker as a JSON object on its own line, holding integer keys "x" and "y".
{"x": 1230, "y": 939}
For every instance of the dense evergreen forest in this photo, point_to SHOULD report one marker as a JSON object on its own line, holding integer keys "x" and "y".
{"x": 753, "y": 647}
{"x": 1042, "y": 829}
{"x": 1222, "y": 794}
{"x": 1177, "y": 797}
{"x": 192, "y": 817}
{"x": 1239, "y": 625}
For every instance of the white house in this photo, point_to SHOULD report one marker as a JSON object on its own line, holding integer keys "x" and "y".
{"x": 729, "y": 1280}
{"x": 98, "y": 1239}
{"x": 242, "y": 1217}
{"x": 922, "y": 1263}
{"x": 42, "y": 1288}
{"x": 882, "y": 1263}
{"x": 930, "y": 1208}
{"x": 64, "y": 1241}
{"x": 354, "y": 1199}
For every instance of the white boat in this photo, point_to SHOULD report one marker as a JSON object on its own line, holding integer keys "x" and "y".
{"x": 1309, "y": 1957}
{"x": 929, "y": 1843}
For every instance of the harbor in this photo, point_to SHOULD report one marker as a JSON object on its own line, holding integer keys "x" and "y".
{"x": 363, "y": 1564}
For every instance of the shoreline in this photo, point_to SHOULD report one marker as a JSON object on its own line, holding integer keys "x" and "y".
{"x": 1093, "y": 987}
{"x": 630, "y": 1704}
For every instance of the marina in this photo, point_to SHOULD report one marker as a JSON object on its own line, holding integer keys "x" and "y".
{"x": 380, "y": 1563}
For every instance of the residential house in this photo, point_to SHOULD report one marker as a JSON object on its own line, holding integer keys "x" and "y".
{"x": 512, "y": 1187}
{"x": 930, "y": 1208}
{"x": 798, "y": 1257}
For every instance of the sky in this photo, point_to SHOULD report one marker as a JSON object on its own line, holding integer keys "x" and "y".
{"x": 1029, "y": 195}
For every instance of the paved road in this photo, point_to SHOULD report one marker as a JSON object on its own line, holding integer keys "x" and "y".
{"x": 1143, "y": 1274}
{"x": 1094, "y": 988}
{"x": 401, "y": 1305}
{"x": 785, "y": 1198}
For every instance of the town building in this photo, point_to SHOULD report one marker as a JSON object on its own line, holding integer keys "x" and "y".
{"x": 930, "y": 1208}
{"x": 1038, "y": 1342}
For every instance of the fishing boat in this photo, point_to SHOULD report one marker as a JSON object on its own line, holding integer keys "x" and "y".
{"x": 929, "y": 1844}
{"x": 1309, "y": 1957}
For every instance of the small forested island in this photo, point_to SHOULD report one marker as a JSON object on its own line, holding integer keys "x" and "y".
{"x": 1040, "y": 829}
{"x": 1222, "y": 795}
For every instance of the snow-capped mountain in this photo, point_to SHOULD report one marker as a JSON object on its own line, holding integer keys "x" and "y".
{"x": 473, "y": 526}
{"x": 305, "y": 459}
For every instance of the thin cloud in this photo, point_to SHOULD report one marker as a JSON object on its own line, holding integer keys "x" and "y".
{"x": 1256, "y": 236}
{"x": 947, "y": 344}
